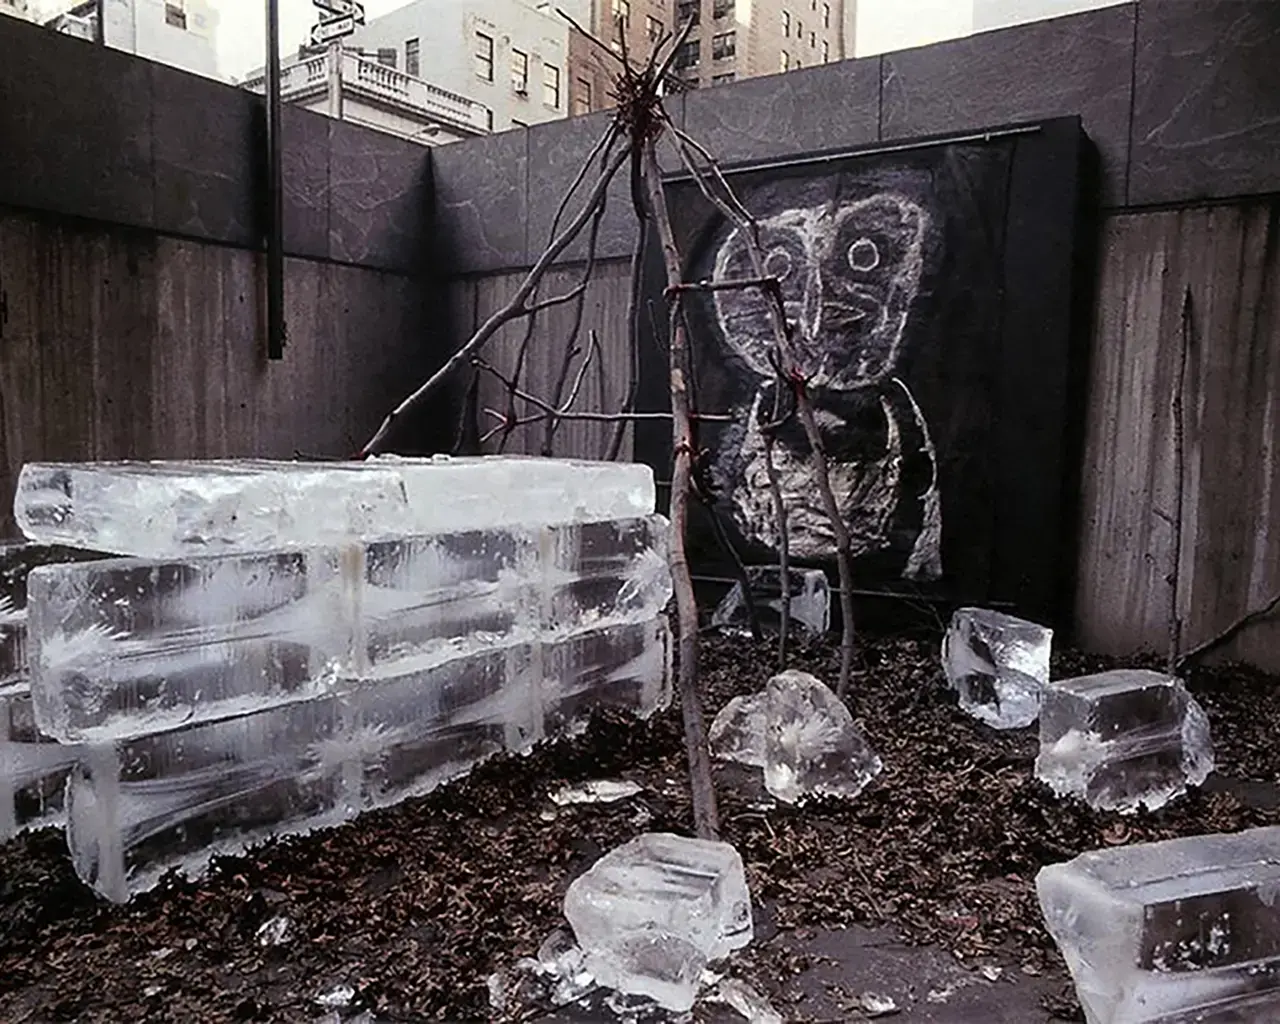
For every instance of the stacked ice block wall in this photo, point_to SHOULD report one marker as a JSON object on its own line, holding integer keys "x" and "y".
{"x": 291, "y": 644}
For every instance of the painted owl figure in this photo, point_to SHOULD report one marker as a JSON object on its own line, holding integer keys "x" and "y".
{"x": 849, "y": 273}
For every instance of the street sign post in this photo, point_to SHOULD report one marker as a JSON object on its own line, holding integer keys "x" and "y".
{"x": 329, "y": 31}
{"x": 341, "y": 8}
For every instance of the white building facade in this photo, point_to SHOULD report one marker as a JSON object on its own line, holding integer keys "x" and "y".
{"x": 506, "y": 55}
{"x": 16, "y": 9}
{"x": 180, "y": 33}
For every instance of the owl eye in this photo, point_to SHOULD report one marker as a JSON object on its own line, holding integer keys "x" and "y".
{"x": 778, "y": 264}
{"x": 863, "y": 255}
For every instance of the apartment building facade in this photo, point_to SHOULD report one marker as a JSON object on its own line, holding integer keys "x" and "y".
{"x": 180, "y": 33}
{"x": 636, "y": 25}
{"x": 16, "y": 9}
{"x": 735, "y": 39}
{"x": 509, "y": 56}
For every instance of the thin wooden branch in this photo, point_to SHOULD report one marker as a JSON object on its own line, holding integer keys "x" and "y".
{"x": 738, "y": 284}
{"x": 1174, "y": 578}
{"x": 1213, "y": 643}
{"x": 702, "y": 789}
{"x": 768, "y": 431}
{"x": 512, "y": 310}
{"x": 737, "y": 215}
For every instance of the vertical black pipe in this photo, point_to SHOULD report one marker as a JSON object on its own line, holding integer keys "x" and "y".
{"x": 275, "y": 191}
{"x": 100, "y": 25}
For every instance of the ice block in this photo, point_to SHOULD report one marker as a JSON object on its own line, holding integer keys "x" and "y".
{"x": 170, "y": 509}
{"x": 33, "y": 768}
{"x": 141, "y": 806}
{"x": 123, "y": 647}
{"x": 650, "y": 914}
{"x": 998, "y": 665}
{"x": 1123, "y": 739}
{"x": 1185, "y": 929}
{"x": 810, "y": 600}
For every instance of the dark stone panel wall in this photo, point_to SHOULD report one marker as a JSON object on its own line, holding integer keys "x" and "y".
{"x": 1075, "y": 65}
{"x": 481, "y": 212}
{"x": 1206, "y": 120}
{"x": 92, "y": 132}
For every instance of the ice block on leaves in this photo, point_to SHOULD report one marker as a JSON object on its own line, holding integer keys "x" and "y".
{"x": 1181, "y": 930}
{"x": 141, "y": 806}
{"x": 998, "y": 665}
{"x": 168, "y": 509}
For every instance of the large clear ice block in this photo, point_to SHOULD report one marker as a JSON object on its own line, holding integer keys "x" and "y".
{"x": 168, "y": 509}
{"x": 1185, "y": 929}
{"x": 1123, "y": 739}
{"x": 998, "y": 665}
{"x": 141, "y": 806}
{"x": 652, "y": 913}
{"x": 33, "y": 768}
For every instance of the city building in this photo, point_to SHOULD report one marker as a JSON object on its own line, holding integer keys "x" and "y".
{"x": 180, "y": 33}
{"x": 734, "y": 39}
{"x": 16, "y": 9}
{"x": 506, "y": 55}
{"x": 355, "y": 85}
{"x": 612, "y": 24}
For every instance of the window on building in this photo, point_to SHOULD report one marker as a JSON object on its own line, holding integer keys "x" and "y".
{"x": 784, "y": 63}
{"x": 799, "y": 29}
{"x": 723, "y": 45}
{"x": 413, "y": 57}
{"x": 797, "y": 64}
{"x": 826, "y": 51}
{"x": 174, "y": 15}
{"x": 724, "y": 79}
{"x": 484, "y": 56}
{"x": 786, "y": 23}
{"x": 582, "y": 98}
{"x": 388, "y": 55}
{"x": 826, "y": 15}
{"x": 689, "y": 54}
{"x": 688, "y": 11}
{"x": 551, "y": 85}
{"x": 813, "y": 38}
{"x": 655, "y": 28}
{"x": 488, "y": 118}
{"x": 520, "y": 72}
{"x": 622, "y": 11}
{"x": 722, "y": 8}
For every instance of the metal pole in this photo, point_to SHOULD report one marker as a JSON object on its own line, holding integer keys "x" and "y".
{"x": 335, "y": 79}
{"x": 100, "y": 28}
{"x": 275, "y": 191}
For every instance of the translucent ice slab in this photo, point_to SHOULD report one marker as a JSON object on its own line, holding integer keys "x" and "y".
{"x": 810, "y": 599}
{"x": 650, "y": 915}
{"x": 33, "y": 768}
{"x": 128, "y": 646}
{"x": 998, "y": 665}
{"x": 168, "y": 509}
{"x": 1186, "y": 929}
{"x": 142, "y": 806}
{"x": 1122, "y": 739}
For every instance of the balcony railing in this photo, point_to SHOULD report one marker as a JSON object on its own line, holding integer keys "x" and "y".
{"x": 370, "y": 80}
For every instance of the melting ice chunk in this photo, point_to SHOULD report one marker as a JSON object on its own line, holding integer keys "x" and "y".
{"x": 650, "y": 915}
{"x": 1122, "y": 739}
{"x": 123, "y": 647}
{"x": 810, "y": 599}
{"x": 812, "y": 744}
{"x": 173, "y": 799}
{"x": 737, "y": 734}
{"x": 998, "y": 665}
{"x": 1185, "y": 929}
{"x": 167, "y": 509}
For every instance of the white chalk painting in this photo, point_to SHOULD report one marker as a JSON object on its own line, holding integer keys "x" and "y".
{"x": 850, "y": 272}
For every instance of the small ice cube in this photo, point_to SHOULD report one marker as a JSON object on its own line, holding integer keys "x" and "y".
{"x": 812, "y": 744}
{"x": 810, "y": 599}
{"x": 652, "y": 913}
{"x": 998, "y": 665}
{"x": 737, "y": 734}
{"x": 1121, "y": 739}
{"x": 1153, "y": 931}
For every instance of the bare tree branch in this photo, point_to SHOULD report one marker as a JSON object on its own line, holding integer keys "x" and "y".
{"x": 1228, "y": 634}
{"x": 1174, "y": 578}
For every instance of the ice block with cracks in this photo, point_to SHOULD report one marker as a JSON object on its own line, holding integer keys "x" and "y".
{"x": 1184, "y": 929}
{"x": 127, "y": 646}
{"x": 810, "y": 599}
{"x": 141, "y": 806}
{"x": 998, "y": 665}
{"x": 1123, "y": 739}
{"x": 652, "y": 913}
{"x": 167, "y": 509}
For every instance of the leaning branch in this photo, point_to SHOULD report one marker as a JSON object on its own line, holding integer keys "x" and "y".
{"x": 1244, "y": 622}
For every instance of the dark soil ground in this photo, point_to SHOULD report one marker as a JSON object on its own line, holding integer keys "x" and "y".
{"x": 414, "y": 906}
